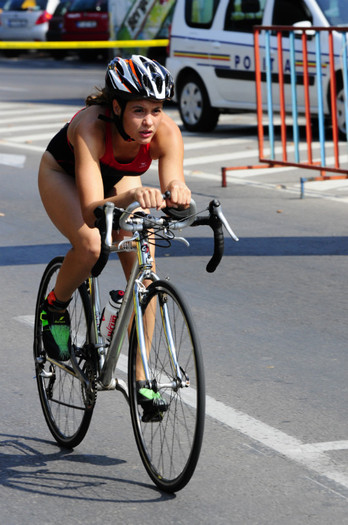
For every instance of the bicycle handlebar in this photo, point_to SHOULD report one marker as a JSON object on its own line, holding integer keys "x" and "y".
{"x": 216, "y": 220}
{"x": 109, "y": 217}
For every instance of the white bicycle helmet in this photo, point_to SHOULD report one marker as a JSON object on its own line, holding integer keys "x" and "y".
{"x": 139, "y": 77}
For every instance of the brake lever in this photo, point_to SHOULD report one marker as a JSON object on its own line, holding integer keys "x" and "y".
{"x": 215, "y": 209}
{"x": 183, "y": 240}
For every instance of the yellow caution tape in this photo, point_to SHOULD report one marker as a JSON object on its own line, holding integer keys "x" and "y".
{"x": 85, "y": 45}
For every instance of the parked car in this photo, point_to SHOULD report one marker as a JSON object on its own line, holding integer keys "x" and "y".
{"x": 56, "y": 28}
{"x": 56, "y": 24}
{"x": 26, "y": 20}
{"x": 87, "y": 20}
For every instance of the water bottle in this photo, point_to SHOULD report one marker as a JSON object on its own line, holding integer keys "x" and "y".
{"x": 110, "y": 313}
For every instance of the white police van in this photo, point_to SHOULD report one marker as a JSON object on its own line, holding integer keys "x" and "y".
{"x": 212, "y": 54}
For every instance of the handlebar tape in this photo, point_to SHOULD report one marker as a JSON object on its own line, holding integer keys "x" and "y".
{"x": 214, "y": 222}
{"x": 100, "y": 223}
{"x": 218, "y": 246}
{"x": 176, "y": 213}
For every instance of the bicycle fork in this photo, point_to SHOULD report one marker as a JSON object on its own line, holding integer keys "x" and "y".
{"x": 180, "y": 377}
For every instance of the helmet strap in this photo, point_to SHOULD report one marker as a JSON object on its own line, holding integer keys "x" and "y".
{"x": 117, "y": 120}
{"x": 119, "y": 125}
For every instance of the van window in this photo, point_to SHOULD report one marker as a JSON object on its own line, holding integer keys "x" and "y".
{"x": 288, "y": 12}
{"x": 200, "y": 13}
{"x": 336, "y": 11}
{"x": 242, "y": 15}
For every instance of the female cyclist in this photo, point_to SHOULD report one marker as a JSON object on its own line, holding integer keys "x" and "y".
{"x": 99, "y": 156}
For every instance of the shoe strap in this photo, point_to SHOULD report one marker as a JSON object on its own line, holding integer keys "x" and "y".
{"x": 54, "y": 303}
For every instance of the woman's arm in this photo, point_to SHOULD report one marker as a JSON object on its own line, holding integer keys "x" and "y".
{"x": 169, "y": 149}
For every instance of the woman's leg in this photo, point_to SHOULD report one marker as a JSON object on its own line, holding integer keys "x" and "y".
{"x": 61, "y": 201}
{"x": 127, "y": 260}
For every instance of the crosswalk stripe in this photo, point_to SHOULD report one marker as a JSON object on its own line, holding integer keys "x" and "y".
{"x": 25, "y": 117}
{"x": 64, "y": 117}
{"x": 8, "y": 106}
{"x": 31, "y": 138}
{"x": 28, "y": 147}
{"x": 16, "y": 161}
{"x": 36, "y": 110}
{"x": 218, "y": 143}
{"x": 33, "y": 127}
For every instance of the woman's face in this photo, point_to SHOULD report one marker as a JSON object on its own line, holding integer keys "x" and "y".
{"x": 141, "y": 119}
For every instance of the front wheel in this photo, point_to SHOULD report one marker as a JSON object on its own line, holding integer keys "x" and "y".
{"x": 169, "y": 447}
{"x": 195, "y": 109}
{"x": 66, "y": 403}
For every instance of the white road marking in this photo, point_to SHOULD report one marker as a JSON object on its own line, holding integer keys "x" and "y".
{"x": 328, "y": 184}
{"x": 218, "y": 143}
{"x": 311, "y": 456}
{"x": 330, "y": 445}
{"x": 64, "y": 117}
{"x": 17, "y": 161}
{"x": 35, "y": 111}
{"x": 32, "y": 127}
{"x": 11, "y": 88}
{"x": 28, "y": 147}
{"x": 32, "y": 137}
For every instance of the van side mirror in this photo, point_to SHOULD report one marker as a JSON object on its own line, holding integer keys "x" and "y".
{"x": 304, "y": 24}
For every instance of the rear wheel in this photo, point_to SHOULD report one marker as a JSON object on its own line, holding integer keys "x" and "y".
{"x": 195, "y": 109}
{"x": 66, "y": 403}
{"x": 169, "y": 447}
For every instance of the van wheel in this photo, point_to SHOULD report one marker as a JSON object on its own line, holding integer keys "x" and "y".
{"x": 341, "y": 113}
{"x": 194, "y": 106}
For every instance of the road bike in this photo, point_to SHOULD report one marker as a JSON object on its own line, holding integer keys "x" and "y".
{"x": 163, "y": 343}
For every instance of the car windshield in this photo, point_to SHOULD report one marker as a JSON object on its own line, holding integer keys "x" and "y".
{"x": 62, "y": 8}
{"x": 25, "y": 5}
{"x": 336, "y": 11}
{"x": 100, "y": 6}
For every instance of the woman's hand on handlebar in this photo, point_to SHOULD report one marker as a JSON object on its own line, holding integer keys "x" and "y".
{"x": 179, "y": 195}
{"x": 148, "y": 197}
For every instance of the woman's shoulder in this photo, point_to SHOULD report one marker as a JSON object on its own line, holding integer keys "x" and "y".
{"x": 88, "y": 116}
{"x": 169, "y": 125}
{"x": 86, "y": 123}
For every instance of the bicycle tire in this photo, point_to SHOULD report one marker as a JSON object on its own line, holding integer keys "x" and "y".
{"x": 66, "y": 405}
{"x": 170, "y": 448}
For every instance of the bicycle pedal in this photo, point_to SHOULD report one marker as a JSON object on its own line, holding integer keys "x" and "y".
{"x": 152, "y": 417}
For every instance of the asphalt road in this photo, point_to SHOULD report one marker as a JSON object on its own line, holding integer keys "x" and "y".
{"x": 272, "y": 320}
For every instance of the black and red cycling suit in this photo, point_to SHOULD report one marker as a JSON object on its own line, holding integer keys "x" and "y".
{"x": 112, "y": 171}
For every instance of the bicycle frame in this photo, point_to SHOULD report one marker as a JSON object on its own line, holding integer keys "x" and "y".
{"x": 141, "y": 271}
